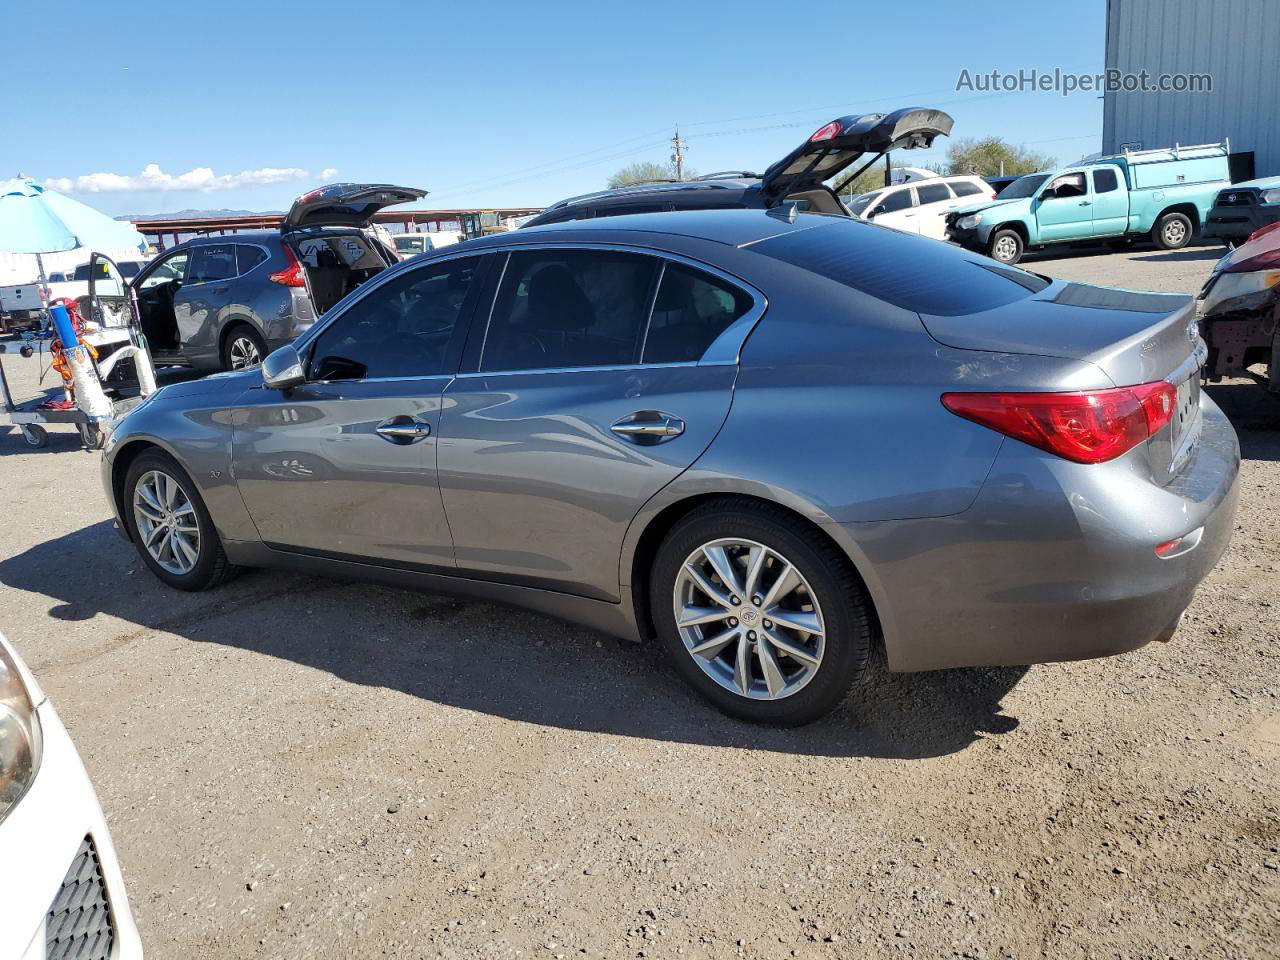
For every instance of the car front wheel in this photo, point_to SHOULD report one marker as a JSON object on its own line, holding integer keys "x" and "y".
{"x": 768, "y": 622}
{"x": 170, "y": 525}
{"x": 1006, "y": 246}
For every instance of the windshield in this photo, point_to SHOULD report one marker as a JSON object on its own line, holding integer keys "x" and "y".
{"x": 858, "y": 204}
{"x": 1023, "y": 186}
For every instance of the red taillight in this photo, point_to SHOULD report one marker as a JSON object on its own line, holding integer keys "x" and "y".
{"x": 1090, "y": 427}
{"x": 292, "y": 275}
{"x": 832, "y": 129}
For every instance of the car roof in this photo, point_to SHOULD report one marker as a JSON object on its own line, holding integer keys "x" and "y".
{"x": 661, "y": 186}
{"x": 732, "y": 227}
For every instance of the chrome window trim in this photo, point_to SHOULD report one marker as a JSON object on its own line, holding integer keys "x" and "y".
{"x": 613, "y": 367}
{"x": 725, "y": 349}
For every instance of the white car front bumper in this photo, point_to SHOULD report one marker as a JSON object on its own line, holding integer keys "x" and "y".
{"x": 61, "y": 892}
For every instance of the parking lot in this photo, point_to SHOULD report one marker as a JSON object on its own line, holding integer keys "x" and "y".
{"x": 294, "y": 767}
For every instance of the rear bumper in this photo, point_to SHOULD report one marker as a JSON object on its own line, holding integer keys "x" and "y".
{"x": 42, "y": 838}
{"x": 1054, "y": 560}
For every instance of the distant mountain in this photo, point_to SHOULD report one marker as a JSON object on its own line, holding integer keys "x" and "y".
{"x": 200, "y": 214}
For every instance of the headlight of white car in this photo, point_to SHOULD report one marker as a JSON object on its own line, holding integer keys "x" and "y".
{"x": 19, "y": 735}
{"x": 969, "y": 222}
{"x": 1271, "y": 196}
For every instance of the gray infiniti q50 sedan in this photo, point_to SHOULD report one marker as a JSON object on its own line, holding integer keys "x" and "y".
{"x": 768, "y": 440}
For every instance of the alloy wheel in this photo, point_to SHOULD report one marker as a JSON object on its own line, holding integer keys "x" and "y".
{"x": 749, "y": 619}
{"x": 166, "y": 522}
{"x": 243, "y": 353}
{"x": 1175, "y": 231}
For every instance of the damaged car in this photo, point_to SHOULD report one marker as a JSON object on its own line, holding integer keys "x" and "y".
{"x": 1240, "y": 311}
{"x": 800, "y": 178}
{"x": 225, "y": 302}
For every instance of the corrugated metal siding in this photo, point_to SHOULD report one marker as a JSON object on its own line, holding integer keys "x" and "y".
{"x": 1236, "y": 41}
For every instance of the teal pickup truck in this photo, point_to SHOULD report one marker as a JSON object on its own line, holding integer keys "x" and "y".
{"x": 1162, "y": 194}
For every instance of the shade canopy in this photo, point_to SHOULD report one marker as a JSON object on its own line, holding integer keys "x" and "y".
{"x": 36, "y": 220}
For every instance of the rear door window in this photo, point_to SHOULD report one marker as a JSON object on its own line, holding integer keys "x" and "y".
{"x": 691, "y": 309}
{"x": 1104, "y": 181}
{"x": 964, "y": 188}
{"x": 212, "y": 262}
{"x": 932, "y": 193}
{"x": 895, "y": 201}
{"x": 903, "y": 269}
{"x": 569, "y": 308}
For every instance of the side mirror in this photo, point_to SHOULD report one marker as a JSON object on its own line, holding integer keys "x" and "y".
{"x": 282, "y": 369}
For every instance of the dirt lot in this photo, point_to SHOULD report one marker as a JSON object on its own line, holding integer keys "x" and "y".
{"x": 294, "y": 767}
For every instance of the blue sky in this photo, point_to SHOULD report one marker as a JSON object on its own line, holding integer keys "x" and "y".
{"x": 496, "y": 103}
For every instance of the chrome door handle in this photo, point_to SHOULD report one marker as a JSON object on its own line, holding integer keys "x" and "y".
{"x": 403, "y": 430}
{"x": 649, "y": 426}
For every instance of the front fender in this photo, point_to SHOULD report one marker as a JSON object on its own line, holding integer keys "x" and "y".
{"x": 199, "y": 439}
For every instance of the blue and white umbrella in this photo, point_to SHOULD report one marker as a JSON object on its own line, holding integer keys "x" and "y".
{"x": 36, "y": 220}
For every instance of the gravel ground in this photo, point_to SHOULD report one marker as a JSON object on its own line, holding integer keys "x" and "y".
{"x": 294, "y": 767}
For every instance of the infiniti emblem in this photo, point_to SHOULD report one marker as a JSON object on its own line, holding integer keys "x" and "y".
{"x": 1193, "y": 330}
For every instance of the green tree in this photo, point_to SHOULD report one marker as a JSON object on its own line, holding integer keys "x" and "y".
{"x": 645, "y": 172}
{"x": 985, "y": 156}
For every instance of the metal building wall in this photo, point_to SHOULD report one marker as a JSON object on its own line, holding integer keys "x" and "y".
{"x": 1236, "y": 41}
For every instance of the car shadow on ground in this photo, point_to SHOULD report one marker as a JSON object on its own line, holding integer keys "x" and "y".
{"x": 1255, "y": 413}
{"x": 489, "y": 658}
{"x": 1190, "y": 254}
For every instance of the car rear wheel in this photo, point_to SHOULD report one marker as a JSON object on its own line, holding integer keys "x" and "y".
{"x": 1006, "y": 246}
{"x": 1172, "y": 232}
{"x": 170, "y": 525}
{"x": 243, "y": 348}
{"x": 768, "y": 622}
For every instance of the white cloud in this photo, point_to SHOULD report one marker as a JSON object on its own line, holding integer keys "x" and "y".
{"x": 202, "y": 179}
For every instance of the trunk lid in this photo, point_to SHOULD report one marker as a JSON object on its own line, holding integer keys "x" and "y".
{"x": 1132, "y": 336}
{"x": 836, "y": 145}
{"x": 345, "y": 204}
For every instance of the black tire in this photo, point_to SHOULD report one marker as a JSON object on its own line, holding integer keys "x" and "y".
{"x": 1172, "y": 231}
{"x": 35, "y": 435}
{"x": 91, "y": 436}
{"x": 1006, "y": 246}
{"x": 211, "y": 567}
{"x": 835, "y": 586}
{"x": 241, "y": 333}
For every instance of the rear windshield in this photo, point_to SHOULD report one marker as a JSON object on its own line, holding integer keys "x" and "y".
{"x": 903, "y": 269}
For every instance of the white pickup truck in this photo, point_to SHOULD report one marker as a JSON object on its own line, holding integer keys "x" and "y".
{"x": 20, "y": 302}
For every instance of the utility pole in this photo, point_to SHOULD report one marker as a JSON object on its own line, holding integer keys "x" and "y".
{"x": 677, "y": 154}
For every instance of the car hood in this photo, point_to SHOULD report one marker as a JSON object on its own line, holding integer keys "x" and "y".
{"x": 985, "y": 205}
{"x": 229, "y": 384}
{"x": 1262, "y": 183}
